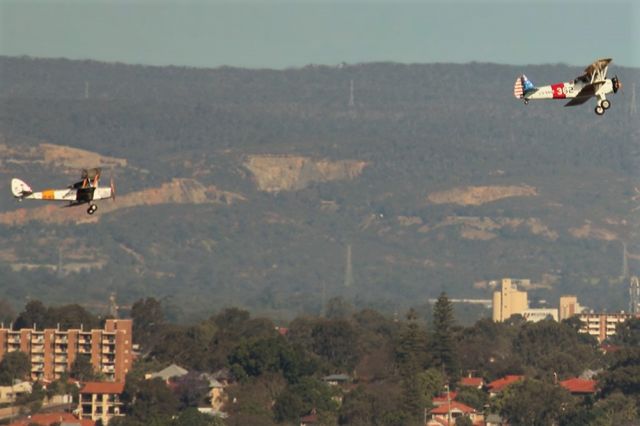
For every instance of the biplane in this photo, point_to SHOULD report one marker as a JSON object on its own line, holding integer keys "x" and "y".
{"x": 85, "y": 191}
{"x": 593, "y": 83}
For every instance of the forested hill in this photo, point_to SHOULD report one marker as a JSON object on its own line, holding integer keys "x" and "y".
{"x": 246, "y": 187}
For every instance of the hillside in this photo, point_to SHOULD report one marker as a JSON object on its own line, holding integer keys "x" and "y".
{"x": 245, "y": 187}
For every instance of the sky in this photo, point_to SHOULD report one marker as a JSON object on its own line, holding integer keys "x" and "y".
{"x": 280, "y": 34}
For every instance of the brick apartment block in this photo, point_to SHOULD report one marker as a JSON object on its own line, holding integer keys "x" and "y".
{"x": 53, "y": 351}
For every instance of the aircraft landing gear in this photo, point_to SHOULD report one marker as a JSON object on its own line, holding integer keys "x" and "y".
{"x": 92, "y": 209}
{"x": 526, "y": 101}
{"x": 599, "y": 110}
{"x": 606, "y": 104}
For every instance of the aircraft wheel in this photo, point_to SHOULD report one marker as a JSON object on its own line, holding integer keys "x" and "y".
{"x": 606, "y": 104}
{"x": 92, "y": 209}
{"x": 526, "y": 101}
{"x": 599, "y": 110}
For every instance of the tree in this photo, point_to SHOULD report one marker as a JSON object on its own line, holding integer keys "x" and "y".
{"x": 533, "y": 402}
{"x": 82, "y": 369}
{"x": 628, "y": 333}
{"x": 34, "y": 313}
{"x": 14, "y": 366}
{"x": 337, "y": 308}
{"x": 150, "y": 401}
{"x": 410, "y": 359}
{"x": 336, "y": 341}
{"x": 464, "y": 421}
{"x": 617, "y": 409}
{"x": 551, "y": 347}
{"x": 191, "y": 390}
{"x": 472, "y": 397}
{"x": 623, "y": 374}
{"x": 443, "y": 343}
{"x": 148, "y": 318}
{"x": 300, "y": 398}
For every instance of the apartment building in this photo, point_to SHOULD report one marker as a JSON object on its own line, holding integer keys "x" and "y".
{"x": 603, "y": 325}
{"x": 509, "y": 301}
{"x": 53, "y": 351}
{"x": 100, "y": 401}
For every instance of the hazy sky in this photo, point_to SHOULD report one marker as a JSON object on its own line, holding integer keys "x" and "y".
{"x": 279, "y": 34}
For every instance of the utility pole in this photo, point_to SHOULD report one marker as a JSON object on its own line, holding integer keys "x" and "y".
{"x": 633, "y": 108}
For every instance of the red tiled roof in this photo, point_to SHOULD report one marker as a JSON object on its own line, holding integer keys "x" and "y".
{"x": 455, "y": 406}
{"x": 498, "y": 385}
{"x": 443, "y": 398}
{"x": 48, "y": 418}
{"x": 472, "y": 381}
{"x": 577, "y": 385}
{"x": 103, "y": 387}
{"x": 309, "y": 419}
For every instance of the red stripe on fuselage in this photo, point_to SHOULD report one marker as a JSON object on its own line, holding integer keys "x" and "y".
{"x": 558, "y": 93}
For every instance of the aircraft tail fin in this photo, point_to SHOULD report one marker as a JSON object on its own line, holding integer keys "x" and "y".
{"x": 20, "y": 189}
{"x": 522, "y": 86}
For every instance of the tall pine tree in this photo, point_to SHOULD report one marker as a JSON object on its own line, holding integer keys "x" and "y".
{"x": 443, "y": 347}
{"x": 410, "y": 357}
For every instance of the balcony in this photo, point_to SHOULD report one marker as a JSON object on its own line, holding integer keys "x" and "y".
{"x": 108, "y": 350}
{"x": 61, "y": 349}
{"x": 60, "y": 360}
{"x": 14, "y": 339}
{"x": 37, "y": 358}
{"x": 60, "y": 368}
{"x": 37, "y": 349}
{"x": 108, "y": 369}
{"x": 39, "y": 340}
{"x": 61, "y": 340}
{"x": 36, "y": 368}
{"x": 108, "y": 360}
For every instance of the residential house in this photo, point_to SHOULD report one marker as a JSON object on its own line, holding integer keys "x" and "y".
{"x": 450, "y": 411}
{"x": 499, "y": 385}
{"x": 578, "y": 386}
{"x": 171, "y": 372}
{"x": 100, "y": 401}
{"x": 473, "y": 382}
{"x": 336, "y": 379}
{"x": 10, "y": 393}
{"x": 62, "y": 419}
{"x": 310, "y": 419}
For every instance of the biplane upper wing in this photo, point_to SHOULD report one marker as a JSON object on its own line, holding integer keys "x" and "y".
{"x": 598, "y": 65}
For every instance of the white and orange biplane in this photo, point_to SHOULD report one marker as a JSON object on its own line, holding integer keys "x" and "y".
{"x": 593, "y": 83}
{"x": 86, "y": 191}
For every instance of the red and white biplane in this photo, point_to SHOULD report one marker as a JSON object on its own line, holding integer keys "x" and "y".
{"x": 85, "y": 191}
{"x": 593, "y": 83}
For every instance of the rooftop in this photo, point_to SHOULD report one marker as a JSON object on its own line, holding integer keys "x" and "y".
{"x": 103, "y": 387}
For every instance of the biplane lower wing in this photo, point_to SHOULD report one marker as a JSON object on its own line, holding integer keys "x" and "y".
{"x": 577, "y": 101}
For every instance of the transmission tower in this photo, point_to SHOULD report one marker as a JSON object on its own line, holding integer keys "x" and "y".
{"x": 625, "y": 261}
{"x": 113, "y": 307}
{"x": 632, "y": 106}
{"x": 634, "y": 295}
{"x": 348, "y": 273}
{"x": 352, "y": 102}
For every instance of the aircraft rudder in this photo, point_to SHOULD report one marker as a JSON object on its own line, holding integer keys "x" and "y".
{"x": 19, "y": 188}
{"x": 521, "y": 86}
